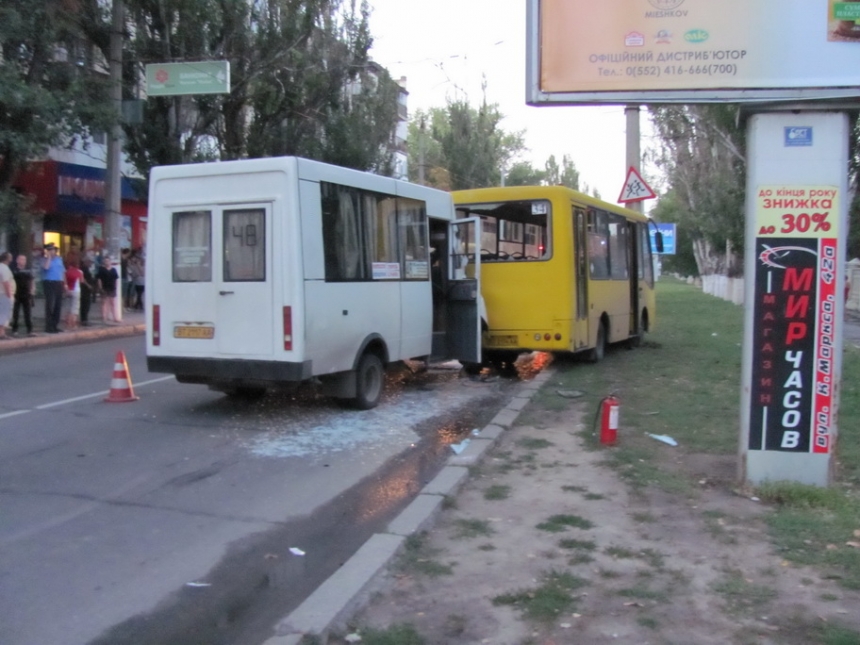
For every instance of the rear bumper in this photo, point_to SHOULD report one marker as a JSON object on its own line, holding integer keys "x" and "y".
{"x": 213, "y": 370}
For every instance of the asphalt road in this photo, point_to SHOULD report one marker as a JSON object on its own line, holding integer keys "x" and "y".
{"x": 171, "y": 519}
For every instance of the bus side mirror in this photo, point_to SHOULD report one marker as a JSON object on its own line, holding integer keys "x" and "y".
{"x": 658, "y": 242}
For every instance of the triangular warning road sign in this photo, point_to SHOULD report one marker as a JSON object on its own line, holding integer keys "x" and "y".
{"x": 635, "y": 189}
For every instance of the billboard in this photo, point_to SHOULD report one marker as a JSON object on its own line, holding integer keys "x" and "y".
{"x": 178, "y": 79}
{"x": 795, "y": 318}
{"x": 691, "y": 51}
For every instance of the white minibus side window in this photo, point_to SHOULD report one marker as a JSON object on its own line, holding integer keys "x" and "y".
{"x": 245, "y": 245}
{"x": 192, "y": 246}
{"x": 412, "y": 214}
{"x": 360, "y": 235}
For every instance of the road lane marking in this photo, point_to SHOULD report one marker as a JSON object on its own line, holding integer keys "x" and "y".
{"x": 54, "y": 404}
{"x": 13, "y": 414}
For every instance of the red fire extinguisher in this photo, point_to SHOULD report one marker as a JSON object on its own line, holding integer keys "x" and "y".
{"x": 610, "y": 406}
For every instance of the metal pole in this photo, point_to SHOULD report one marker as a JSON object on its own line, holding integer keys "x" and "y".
{"x": 631, "y": 112}
{"x": 113, "y": 177}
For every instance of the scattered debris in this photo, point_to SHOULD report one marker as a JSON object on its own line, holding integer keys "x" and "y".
{"x": 570, "y": 394}
{"x": 664, "y": 438}
{"x": 459, "y": 447}
{"x": 198, "y": 584}
{"x": 296, "y": 551}
{"x": 853, "y": 543}
{"x": 355, "y": 637}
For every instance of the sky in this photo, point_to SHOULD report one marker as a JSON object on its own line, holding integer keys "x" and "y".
{"x": 446, "y": 49}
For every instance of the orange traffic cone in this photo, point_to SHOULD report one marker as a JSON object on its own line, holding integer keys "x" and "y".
{"x": 120, "y": 384}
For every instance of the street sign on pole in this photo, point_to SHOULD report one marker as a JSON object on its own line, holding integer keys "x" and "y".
{"x": 175, "y": 79}
{"x": 635, "y": 188}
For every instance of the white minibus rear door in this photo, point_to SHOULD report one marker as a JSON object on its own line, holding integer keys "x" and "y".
{"x": 464, "y": 302}
{"x": 244, "y": 283}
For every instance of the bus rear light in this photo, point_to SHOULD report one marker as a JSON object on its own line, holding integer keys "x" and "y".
{"x": 537, "y": 336}
{"x": 156, "y": 325}
{"x": 288, "y": 328}
{"x": 558, "y": 336}
{"x": 547, "y": 336}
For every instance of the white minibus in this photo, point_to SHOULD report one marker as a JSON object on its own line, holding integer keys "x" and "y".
{"x": 265, "y": 273}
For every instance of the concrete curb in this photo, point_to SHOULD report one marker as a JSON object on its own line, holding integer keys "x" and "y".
{"x": 349, "y": 589}
{"x": 79, "y": 335}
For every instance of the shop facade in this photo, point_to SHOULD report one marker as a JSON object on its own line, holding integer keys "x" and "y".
{"x": 69, "y": 206}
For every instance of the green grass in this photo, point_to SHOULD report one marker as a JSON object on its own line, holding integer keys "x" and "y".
{"x": 548, "y": 601}
{"x": 467, "y": 529}
{"x": 417, "y": 557}
{"x": 558, "y": 523}
{"x": 532, "y": 443}
{"x": 684, "y": 381}
{"x": 581, "y": 545}
{"x": 497, "y": 492}
{"x": 741, "y": 595}
{"x": 404, "y": 634}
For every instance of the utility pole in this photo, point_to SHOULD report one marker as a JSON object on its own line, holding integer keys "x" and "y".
{"x": 113, "y": 177}
{"x": 633, "y": 151}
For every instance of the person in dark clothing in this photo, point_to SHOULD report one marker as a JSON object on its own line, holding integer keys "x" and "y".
{"x": 88, "y": 289}
{"x": 25, "y": 291}
{"x": 107, "y": 277}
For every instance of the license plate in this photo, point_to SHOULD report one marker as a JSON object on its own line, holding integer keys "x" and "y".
{"x": 188, "y": 331}
{"x": 503, "y": 341}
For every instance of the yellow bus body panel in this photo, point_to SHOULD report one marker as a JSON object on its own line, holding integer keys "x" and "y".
{"x": 531, "y": 305}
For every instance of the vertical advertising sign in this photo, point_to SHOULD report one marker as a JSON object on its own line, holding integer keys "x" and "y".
{"x": 796, "y": 265}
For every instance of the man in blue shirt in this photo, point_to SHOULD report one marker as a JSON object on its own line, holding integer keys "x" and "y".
{"x": 53, "y": 278}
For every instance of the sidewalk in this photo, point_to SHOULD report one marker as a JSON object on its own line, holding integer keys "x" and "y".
{"x": 133, "y": 322}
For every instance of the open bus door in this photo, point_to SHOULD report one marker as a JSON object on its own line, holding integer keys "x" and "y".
{"x": 464, "y": 302}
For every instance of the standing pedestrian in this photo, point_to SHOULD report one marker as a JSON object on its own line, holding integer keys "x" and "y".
{"x": 7, "y": 292}
{"x": 127, "y": 284}
{"x": 53, "y": 284}
{"x": 137, "y": 273}
{"x": 74, "y": 277}
{"x": 88, "y": 289}
{"x": 107, "y": 277}
{"x": 25, "y": 293}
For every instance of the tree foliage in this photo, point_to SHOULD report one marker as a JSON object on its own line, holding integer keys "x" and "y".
{"x": 49, "y": 94}
{"x": 702, "y": 154}
{"x": 460, "y": 146}
{"x": 301, "y": 83}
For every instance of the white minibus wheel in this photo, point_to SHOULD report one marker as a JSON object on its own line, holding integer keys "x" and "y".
{"x": 369, "y": 382}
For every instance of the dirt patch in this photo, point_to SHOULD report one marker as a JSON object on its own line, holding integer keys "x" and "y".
{"x": 562, "y": 551}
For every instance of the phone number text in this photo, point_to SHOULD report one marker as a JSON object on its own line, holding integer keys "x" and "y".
{"x": 727, "y": 69}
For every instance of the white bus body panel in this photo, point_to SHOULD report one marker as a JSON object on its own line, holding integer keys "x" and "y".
{"x": 331, "y": 321}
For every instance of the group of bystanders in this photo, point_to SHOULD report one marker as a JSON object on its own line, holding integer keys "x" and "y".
{"x": 69, "y": 288}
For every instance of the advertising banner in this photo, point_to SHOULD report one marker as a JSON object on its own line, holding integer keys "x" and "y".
{"x": 584, "y": 46}
{"x": 792, "y": 393}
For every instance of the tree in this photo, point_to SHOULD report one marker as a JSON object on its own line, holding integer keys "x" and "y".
{"x": 458, "y": 146}
{"x": 702, "y": 153}
{"x": 523, "y": 173}
{"x": 301, "y": 83}
{"x": 49, "y": 94}
{"x": 474, "y": 145}
{"x": 566, "y": 175}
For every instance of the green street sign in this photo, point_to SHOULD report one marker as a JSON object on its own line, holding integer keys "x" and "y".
{"x": 174, "y": 79}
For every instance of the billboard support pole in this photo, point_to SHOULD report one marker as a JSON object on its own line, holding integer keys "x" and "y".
{"x": 634, "y": 155}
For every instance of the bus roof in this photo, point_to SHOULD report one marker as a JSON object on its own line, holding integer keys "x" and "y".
{"x": 513, "y": 193}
